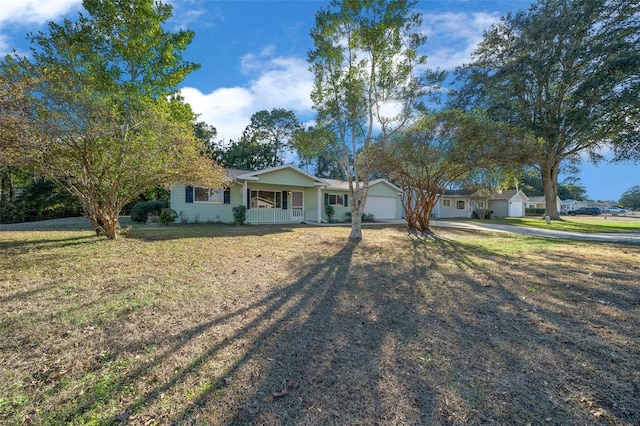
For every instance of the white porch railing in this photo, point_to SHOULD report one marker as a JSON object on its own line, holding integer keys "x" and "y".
{"x": 256, "y": 216}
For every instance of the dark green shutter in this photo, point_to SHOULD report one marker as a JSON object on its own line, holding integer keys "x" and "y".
{"x": 326, "y": 199}
{"x": 346, "y": 200}
{"x": 227, "y": 196}
{"x": 284, "y": 200}
{"x": 248, "y": 198}
{"x": 188, "y": 194}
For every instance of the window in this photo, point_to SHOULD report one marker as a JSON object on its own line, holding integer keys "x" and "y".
{"x": 446, "y": 203}
{"x": 207, "y": 195}
{"x": 460, "y": 205}
{"x": 266, "y": 199}
{"x": 336, "y": 200}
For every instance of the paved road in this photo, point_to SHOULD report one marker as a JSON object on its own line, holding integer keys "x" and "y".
{"x": 539, "y": 232}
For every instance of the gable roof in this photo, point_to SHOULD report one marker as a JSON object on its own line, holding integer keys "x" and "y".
{"x": 255, "y": 175}
{"x": 341, "y": 185}
{"x": 507, "y": 194}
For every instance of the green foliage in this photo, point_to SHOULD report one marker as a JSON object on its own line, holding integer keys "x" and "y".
{"x": 239, "y": 214}
{"x": 274, "y": 129}
{"x": 41, "y": 199}
{"x": 329, "y": 211}
{"x": 566, "y": 72}
{"x": 365, "y": 56}
{"x": 101, "y": 107}
{"x": 366, "y": 217}
{"x": 631, "y": 198}
{"x": 245, "y": 154}
{"x": 141, "y": 211}
{"x": 477, "y": 213}
{"x": 438, "y": 150}
{"x": 168, "y": 216}
{"x": 534, "y": 211}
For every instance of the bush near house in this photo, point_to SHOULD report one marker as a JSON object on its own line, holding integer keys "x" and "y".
{"x": 141, "y": 211}
{"x": 534, "y": 212}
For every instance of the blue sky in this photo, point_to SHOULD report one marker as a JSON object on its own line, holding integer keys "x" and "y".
{"x": 253, "y": 56}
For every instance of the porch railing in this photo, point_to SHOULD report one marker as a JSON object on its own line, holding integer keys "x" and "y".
{"x": 256, "y": 216}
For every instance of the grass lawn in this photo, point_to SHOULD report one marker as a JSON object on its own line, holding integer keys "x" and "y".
{"x": 586, "y": 224}
{"x": 209, "y": 324}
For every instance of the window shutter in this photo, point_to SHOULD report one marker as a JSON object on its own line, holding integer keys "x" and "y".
{"x": 326, "y": 199}
{"x": 248, "y": 198}
{"x": 226, "y": 197}
{"x": 188, "y": 194}
{"x": 284, "y": 200}
{"x": 346, "y": 200}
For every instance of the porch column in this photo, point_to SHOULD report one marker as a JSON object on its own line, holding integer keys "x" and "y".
{"x": 319, "y": 204}
{"x": 244, "y": 193}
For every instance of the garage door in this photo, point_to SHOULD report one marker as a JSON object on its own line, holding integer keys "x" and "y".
{"x": 381, "y": 207}
{"x": 516, "y": 209}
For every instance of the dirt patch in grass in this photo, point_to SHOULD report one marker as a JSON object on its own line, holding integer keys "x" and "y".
{"x": 293, "y": 325}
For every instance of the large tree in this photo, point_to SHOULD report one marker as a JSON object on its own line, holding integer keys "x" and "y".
{"x": 437, "y": 152}
{"x": 275, "y": 130}
{"x": 631, "y": 198}
{"x": 103, "y": 122}
{"x": 566, "y": 71}
{"x": 365, "y": 64}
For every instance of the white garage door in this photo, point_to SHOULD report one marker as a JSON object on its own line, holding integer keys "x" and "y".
{"x": 381, "y": 207}
{"x": 516, "y": 209}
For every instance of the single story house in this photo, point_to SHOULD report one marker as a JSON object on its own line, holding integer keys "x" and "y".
{"x": 458, "y": 204}
{"x": 283, "y": 194}
{"x": 538, "y": 202}
{"x": 569, "y": 205}
{"x": 508, "y": 203}
{"x": 453, "y": 204}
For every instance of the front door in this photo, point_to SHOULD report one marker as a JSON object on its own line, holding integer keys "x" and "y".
{"x": 297, "y": 205}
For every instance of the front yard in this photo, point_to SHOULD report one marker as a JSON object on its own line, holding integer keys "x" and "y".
{"x": 210, "y": 324}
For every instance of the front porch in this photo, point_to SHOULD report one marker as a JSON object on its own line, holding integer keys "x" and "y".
{"x": 257, "y": 216}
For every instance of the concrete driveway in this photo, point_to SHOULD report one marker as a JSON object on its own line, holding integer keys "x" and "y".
{"x": 539, "y": 232}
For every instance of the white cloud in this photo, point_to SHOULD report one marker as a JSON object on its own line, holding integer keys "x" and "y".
{"x": 281, "y": 82}
{"x": 452, "y": 36}
{"x": 30, "y": 12}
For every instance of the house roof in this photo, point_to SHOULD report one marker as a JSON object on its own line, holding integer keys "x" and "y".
{"x": 537, "y": 199}
{"x": 255, "y": 175}
{"x": 507, "y": 194}
{"x": 341, "y": 185}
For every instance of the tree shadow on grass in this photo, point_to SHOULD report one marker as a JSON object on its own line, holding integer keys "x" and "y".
{"x": 440, "y": 332}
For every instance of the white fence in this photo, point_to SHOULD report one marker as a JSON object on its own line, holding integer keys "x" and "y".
{"x": 255, "y": 216}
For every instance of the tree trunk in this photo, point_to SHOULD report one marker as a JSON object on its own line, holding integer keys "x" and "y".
{"x": 357, "y": 209}
{"x": 104, "y": 221}
{"x": 549, "y": 174}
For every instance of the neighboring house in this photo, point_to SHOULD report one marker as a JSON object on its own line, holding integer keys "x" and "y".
{"x": 283, "y": 194}
{"x": 453, "y": 204}
{"x": 569, "y": 205}
{"x": 538, "y": 202}
{"x": 508, "y": 203}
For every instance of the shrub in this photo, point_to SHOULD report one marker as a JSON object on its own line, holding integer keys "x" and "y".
{"x": 366, "y": 217}
{"x": 239, "y": 214}
{"x": 487, "y": 214}
{"x": 168, "y": 216}
{"x": 534, "y": 212}
{"x": 142, "y": 210}
{"x": 329, "y": 211}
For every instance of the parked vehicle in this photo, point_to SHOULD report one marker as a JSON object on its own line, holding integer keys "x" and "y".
{"x": 591, "y": 211}
{"x": 614, "y": 210}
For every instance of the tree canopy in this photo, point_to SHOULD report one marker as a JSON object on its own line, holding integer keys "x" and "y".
{"x": 631, "y": 198}
{"x": 568, "y": 73}
{"x": 102, "y": 122}
{"x": 365, "y": 62}
{"x": 437, "y": 151}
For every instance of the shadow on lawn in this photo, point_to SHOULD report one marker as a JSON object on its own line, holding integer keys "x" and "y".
{"x": 444, "y": 333}
{"x": 212, "y": 230}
